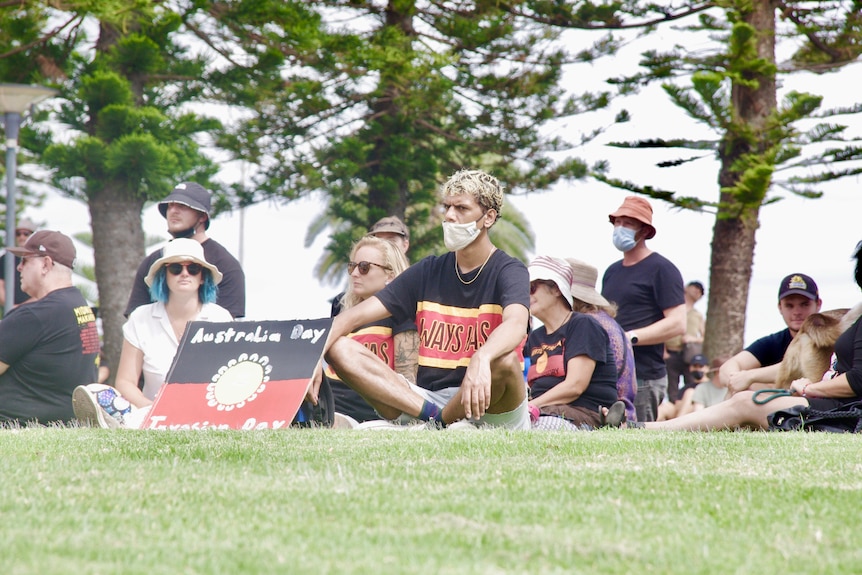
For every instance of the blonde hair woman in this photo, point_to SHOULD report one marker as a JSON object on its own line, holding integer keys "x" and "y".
{"x": 374, "y": 262}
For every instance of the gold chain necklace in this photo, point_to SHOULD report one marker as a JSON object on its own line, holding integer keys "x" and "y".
{"x": 458, "y": 273}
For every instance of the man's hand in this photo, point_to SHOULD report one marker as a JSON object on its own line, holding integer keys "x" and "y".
{"x": 739, "y": 381}
{"x": 476, "y": 387}
{"x": 314, "y": 383}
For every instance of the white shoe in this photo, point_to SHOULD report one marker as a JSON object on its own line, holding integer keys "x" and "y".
{"x": 378, "y": 425}
{"x": 342, "y": 421}
{"x": 465, "y": 425}
{"x": 386, "y": 425}
{"x": 100, "y": 406}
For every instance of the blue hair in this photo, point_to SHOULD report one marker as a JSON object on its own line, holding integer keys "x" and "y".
{"x": 207, "y": 293}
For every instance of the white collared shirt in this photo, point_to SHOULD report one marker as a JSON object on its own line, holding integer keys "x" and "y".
{"x": 149, "y": 329}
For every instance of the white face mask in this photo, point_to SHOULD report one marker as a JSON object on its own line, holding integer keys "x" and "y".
{"x": 459, "y": 236}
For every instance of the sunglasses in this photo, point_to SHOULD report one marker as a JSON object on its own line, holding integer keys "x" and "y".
{"x": 363, "y": 267}
{"x": 177, "y": 269}
{"x": 535, "y": 285}
{"x": 23, "y": 233}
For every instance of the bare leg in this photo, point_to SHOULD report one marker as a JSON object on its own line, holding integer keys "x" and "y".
{"x": 385, "y": 390}
{"x": 508, "y": 390}
{"x": 737, "y": 412}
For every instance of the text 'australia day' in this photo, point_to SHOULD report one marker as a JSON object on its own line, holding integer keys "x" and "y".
{"x": 256, "y": 335}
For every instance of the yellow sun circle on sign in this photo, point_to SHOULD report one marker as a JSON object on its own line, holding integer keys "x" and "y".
{"x": 238, "y": 382}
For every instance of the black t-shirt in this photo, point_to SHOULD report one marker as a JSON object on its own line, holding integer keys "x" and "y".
{"x": 550, "y": 355}
{"x": 453, "y": 316}
{"x": 848, "y": 351}
{"x": 642, "y": 292}
{"x": 770, "y": 349}
{"x": 20, "y": 295}
{"x": 51, "y": 346}
{"x": 378, "y": 337}
{"x": 231, "y": 290}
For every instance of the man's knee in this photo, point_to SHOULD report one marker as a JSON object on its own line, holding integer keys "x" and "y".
{"x": 340, "y": 350}
{"x": 507, "y": 367}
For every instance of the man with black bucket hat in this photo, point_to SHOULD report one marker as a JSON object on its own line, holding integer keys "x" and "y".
{"x": 187, "y": 213}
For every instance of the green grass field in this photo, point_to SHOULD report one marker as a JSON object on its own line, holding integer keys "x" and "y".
{"x": 325, "y": 501}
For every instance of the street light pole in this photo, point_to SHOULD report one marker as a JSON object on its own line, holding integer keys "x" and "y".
{"x": 15, "y": 99}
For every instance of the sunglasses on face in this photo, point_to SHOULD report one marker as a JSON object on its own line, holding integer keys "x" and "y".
{"x": 363, "y": 267}
{"x": 535, "y": 285}
{"x": 177, "y": 269}
{"x": 23, "y": 234}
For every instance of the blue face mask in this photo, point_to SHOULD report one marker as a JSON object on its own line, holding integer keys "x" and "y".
{"x": 624, "y": 238}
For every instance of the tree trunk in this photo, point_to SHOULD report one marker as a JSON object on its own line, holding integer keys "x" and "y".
{"x": 737, "y": 218}
{"x": 118, "y": 248}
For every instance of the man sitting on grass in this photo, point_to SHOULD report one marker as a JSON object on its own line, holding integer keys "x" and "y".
{"x": 50, "y": 345}
{"x": 470, "y": 307}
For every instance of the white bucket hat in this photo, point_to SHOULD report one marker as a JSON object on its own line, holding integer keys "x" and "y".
{"x": 555, "y": 270}
{"x": 584, "y": 278}
{"x": 182, "y": 250}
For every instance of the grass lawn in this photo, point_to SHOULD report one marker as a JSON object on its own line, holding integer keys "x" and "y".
{"x": 326, "y": 501}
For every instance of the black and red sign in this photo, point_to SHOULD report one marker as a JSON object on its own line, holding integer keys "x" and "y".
{"x": 239, "y": 375}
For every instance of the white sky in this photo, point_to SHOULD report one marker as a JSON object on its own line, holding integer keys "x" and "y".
{"x": 815, "y": 237}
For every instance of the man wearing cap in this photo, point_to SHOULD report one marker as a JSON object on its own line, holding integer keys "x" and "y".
{"x": 756, "y": 366}
{"x": 389, "y": 228}
{"x": 648, "y": 291}
{"x": 393, "y": 229}
{"x": 470, "y": 307}
{"x": 187, "y": 212}
{"x": 23, "y": 231}
{"x": 51, "y": 345}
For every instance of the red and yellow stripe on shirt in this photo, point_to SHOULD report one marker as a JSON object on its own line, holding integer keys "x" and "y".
{"x": 376, "y": 338}
{"x": 449, "y": 336}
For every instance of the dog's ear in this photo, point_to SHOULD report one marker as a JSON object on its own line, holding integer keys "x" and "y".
{"x": 809, "y": 353}
{"x": 822, "y": 328}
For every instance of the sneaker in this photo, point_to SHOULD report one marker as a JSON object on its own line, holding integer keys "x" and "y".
{"x": 100, "y": 406}
{"x": 386, "y": 425}
{"x": 342, "y": 421}
{"x": 615, "y": 416}
{"x": 464, "y": 425}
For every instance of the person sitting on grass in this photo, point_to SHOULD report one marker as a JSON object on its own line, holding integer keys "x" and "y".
{"x": 756, "y": 367}
{"x": 698, "y": 371}
{"x": 470, "y": 307}
{"x": 374, "y": 262}
{"x": 50, "y": 345}
{"x": 572, "y": 370}
{"x": 184, "y": 286}
{"x": 711, "y": 391}
{"x": 586, "y": 299}
{"x": 839, "y": 387}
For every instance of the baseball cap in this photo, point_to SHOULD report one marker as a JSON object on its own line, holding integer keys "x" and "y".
{"x": 188, "y": 194}
{"x": 637, "y": 208}
{"x": 798, "y": 284}
{"x": 47, "y": 243}
{"x": 389, "y": 224}
{"x": 699, "y": 359}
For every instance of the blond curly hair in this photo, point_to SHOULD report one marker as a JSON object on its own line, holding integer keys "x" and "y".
{"x": 485, "y": 188}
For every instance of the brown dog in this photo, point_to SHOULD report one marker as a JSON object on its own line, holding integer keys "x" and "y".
{"x": 810, "y": 352}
